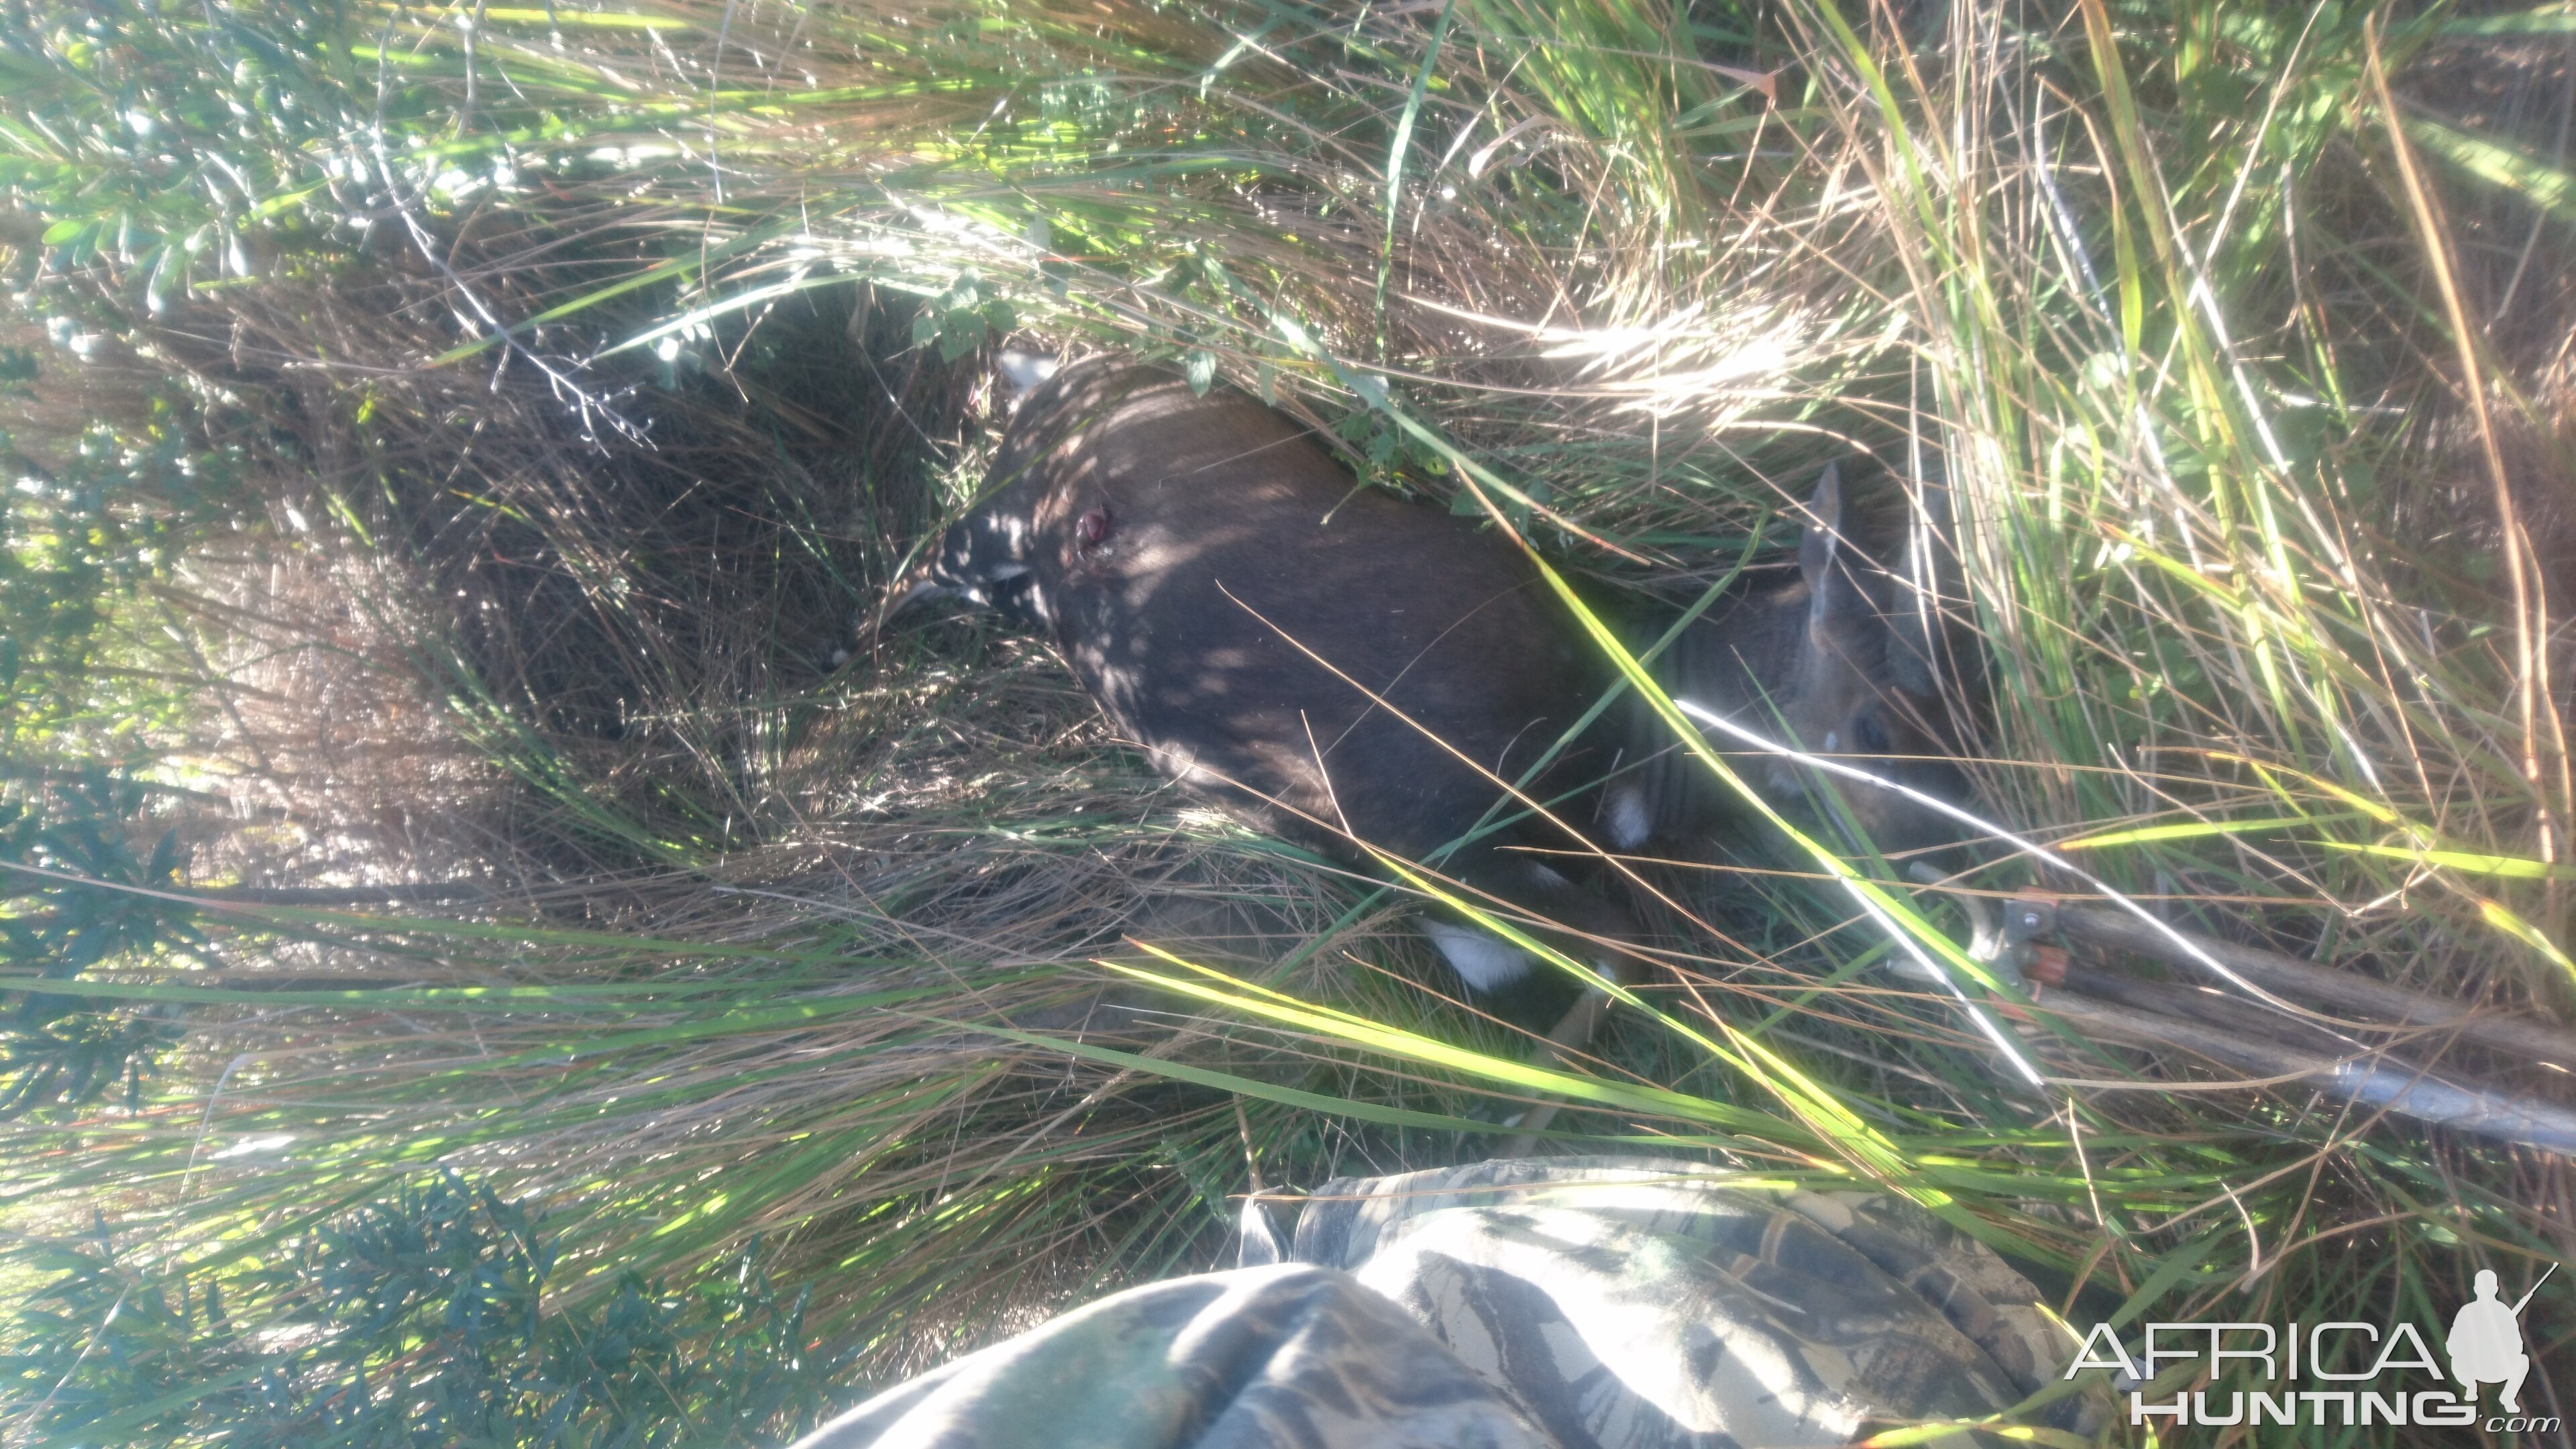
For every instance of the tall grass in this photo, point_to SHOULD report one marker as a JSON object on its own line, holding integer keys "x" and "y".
{"x": 591, "y": 370}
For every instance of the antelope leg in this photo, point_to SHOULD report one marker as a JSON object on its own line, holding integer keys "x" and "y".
{"x": 1571, "y": 1034}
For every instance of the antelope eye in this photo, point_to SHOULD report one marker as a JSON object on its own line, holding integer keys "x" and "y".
{"x": 1868, "y": 734}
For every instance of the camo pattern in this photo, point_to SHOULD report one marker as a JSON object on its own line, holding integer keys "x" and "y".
{"x": 1572, "y": 1303}
{"x": 1287, "y": 1356}
{"x": 1659, "y": 1304}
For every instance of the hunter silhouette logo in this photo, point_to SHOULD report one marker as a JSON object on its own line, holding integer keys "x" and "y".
{"x": 2486, "y": 1342}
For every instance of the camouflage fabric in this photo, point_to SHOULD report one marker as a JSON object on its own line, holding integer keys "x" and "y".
{"x": 1280, "y": 1357}
{"x": 1579, "y": 1303}
{"x": 1642, "y": 1304}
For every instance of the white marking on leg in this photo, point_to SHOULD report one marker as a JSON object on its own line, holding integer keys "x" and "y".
{"x": 1631, "y": 823}
{"x": 1025, "y": 370}
{"x": 1484, "y": 963}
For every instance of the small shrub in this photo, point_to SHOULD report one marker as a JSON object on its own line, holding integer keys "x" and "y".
{"x": 419, "y": 1319}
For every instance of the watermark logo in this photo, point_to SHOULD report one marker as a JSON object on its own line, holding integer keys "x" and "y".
{"x": 2486, "y": 1342}
{"x": 2485, "y": 1346}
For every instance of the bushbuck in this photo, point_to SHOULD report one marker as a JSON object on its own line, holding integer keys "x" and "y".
{"x": 1352, "y": 671}
{"x": 1335, "y": 665}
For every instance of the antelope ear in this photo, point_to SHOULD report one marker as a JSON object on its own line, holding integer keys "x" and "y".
{"x": 1830, "y": 592}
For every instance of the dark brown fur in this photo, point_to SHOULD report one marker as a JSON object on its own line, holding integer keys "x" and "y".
{"x": 1181, "y": 549}
{"x": 1340, "y": 667}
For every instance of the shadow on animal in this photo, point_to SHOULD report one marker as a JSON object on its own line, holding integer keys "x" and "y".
{"x": 1382, "y": 681}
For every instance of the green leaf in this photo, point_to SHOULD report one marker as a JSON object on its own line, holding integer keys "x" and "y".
{"x": 2467, "y": 862}
{"x": 2541, "y": 184}
{"x": 960, "y": 332}
{"x": 2547, "y": 20}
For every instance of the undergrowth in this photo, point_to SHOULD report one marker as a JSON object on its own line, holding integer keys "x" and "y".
{"x": 453, "y": 451}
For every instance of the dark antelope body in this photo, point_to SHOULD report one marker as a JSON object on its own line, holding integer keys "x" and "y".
{"x": 1234, "y": 601}
{"x": 1339, "y": 666}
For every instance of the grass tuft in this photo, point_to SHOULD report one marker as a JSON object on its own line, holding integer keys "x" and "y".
{"x": 460, "y": 446}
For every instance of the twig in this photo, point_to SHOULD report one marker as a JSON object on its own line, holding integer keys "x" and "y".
{"x": 2531, "y": 661}
{"x": 586, "y": 405}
